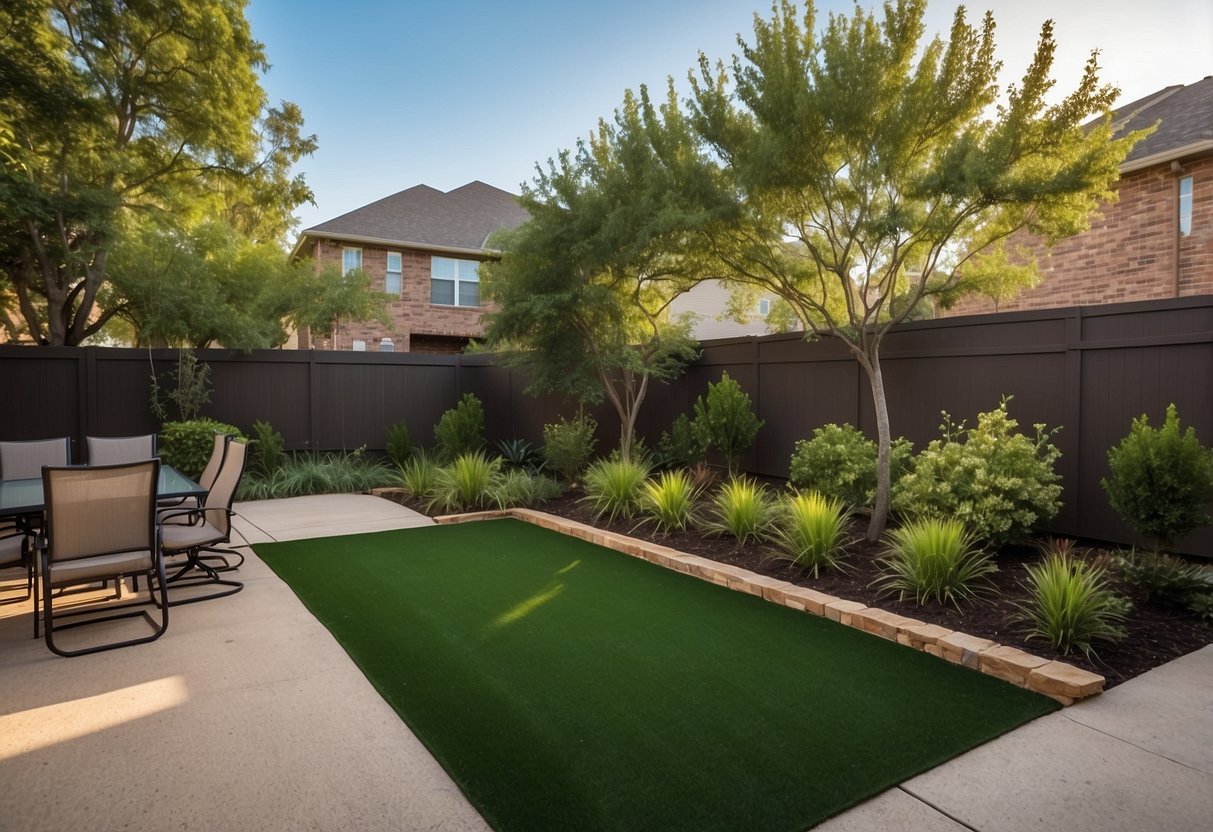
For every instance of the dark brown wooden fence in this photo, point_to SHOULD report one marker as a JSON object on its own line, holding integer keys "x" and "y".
{"x": 1087, "y": 370}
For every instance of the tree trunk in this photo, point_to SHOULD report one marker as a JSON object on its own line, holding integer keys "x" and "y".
{"x": 880, "y": 511}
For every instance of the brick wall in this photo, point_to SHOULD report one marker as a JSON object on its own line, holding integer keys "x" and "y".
{"x": 412, "y": 314}
{"x": 1129, "y": 253}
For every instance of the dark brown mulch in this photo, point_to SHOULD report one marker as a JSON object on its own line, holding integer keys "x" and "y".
{"x": 1155, "y": 635}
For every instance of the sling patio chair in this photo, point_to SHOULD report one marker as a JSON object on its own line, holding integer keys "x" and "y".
{"x": 100, "y": 525}
{"x": 212, "y": 527}
{"x": 173, "y": 515}
{"x": 24, "y": 460}
{"x": 111, "y": 450}
{"x": 15, "y": 551}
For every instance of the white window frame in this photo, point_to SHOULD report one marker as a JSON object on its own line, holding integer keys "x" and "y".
{"x": 398, "y": 272}
{"x": 346, "y": 251}
{"x": 1184, "y": 205}
{"x": 459, "y": 279}
{"x": 764, "y": 307}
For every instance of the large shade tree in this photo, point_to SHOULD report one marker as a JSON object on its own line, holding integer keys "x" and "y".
{"x": 117, "y": 113}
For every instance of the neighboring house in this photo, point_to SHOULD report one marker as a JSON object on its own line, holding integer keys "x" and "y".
{"x": 709, "y": 301}
{"x": 1157, "y": 240}
{"x": 424, "y": 247}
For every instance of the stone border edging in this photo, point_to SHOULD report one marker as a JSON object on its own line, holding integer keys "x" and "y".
{"x": 1058, "y": 680}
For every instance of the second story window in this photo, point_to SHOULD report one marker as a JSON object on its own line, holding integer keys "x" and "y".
{"x": 393, "y": 283}
{"x": 1185, "y": 206}
{"x": 764, "y": 307}
{"x": 454, "y": 282}
{"x": 351, "y": 260}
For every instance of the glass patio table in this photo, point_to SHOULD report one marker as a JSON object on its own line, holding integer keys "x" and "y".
{"x": 24, "y": 497}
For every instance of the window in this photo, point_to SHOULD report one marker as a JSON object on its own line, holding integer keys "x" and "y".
{"x": 1185, "y": 206}
{"x": 351, "y": 260}
{"x": 393, "y": 283}
{"x": 454, "y": 282}
{"x": 764, "y": 307}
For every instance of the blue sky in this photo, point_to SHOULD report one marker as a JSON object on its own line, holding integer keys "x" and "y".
{"x": 441, "y": 93}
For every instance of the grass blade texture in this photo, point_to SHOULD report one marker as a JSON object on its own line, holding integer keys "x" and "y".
{"x": 569, "y": 687}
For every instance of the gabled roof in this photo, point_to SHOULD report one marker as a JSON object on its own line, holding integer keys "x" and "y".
{"x": 424, "y": 217}
{"x": 1185, "y": 116}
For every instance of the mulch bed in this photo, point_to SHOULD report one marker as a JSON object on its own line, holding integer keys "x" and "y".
{"x": 1156, "y": 635}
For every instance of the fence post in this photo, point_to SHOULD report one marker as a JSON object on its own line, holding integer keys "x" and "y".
{"x": 1073, "y": 409}
{"x": 312, "y": 437}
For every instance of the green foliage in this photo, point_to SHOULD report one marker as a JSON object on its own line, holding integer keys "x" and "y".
{"x": 1167, "y": 581}
{"x": 519, "y": 453}
{"x": 467, "y": 483}
{"x": 568, "y": 445}
{"x": 187, "y": 445}
{"x": 839, "y": 461}
{"x": 313, "y": 473}
{"x": 191, "y": 388}
{"x": 418, "y": 475}
{"x": 266, "y": 450}
{"x": 726, "y": 422}
{"x": 741, "y": 508}
{"x": 399, "y": 444}
{"x": 935, "y": 560}
{"x": 1162, "y": 480}
{"x": 1070, "y": 604}
{"x": 613, "y": 487}
{"x": 811, "y": 530}
{"x": 998, "y": 482}
{"x": 522, "y": 489}
{"x": 460, "y": 430}
{"x": 669, "y": 501}
{"x": 683, "y": 444}
{"x": 1201, "y": 606}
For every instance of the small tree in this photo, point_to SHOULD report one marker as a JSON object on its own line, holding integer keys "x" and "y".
{"x": 1162, "y": 480}
{"x": 460, "y": 430}
{"x": 726, "y": 421}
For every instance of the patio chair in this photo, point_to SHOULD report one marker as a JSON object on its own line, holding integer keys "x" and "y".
{"x": 100, "y": 525}
{"x": 168, "y": 513}
{"x": 24, "y": 460}
{"x": 111, "y": 450}
{"x": 206, "y": 534}
{"x": 15, "y": 551}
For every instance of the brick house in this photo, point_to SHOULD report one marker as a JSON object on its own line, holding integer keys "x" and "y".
{"x": 423, "y": 247}
{"x": 1157, "y": 240}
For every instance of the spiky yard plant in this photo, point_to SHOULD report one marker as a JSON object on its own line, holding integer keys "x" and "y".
{"x": 466, "y": 483}
{"x": 1070, "y": 604}
{"x": 522, "y": 489}
{"x": 811, "y": 530}
{"x": 933, "y": 559}
{"x": 613, "y": 486}
{"x": 669, "y": 500}
{"x": 741, "y": 508}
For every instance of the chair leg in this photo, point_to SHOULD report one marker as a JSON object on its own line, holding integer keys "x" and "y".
{"x": 209, "y": 576}
{"x": 138, "y": 609}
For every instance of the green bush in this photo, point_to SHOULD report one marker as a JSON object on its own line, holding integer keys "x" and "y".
{"x": 840, "y": 462}
{"x": 1070, "y": 604}
{"x": 669, "y": 501}
{"x": 399, "y": 444}
{"x": 460, "y": 431}
{"x": 418, "y": 475}
{"x": 726, "y": 421}
{"x": 1162, "y": 480}
{"x": 683, "y": 444}
{"x": 741, "y": 508}
{"x": 266, "y": 450}
{"x": 568, "y": 445}
{"x": 187, "y": 446}
{"x": 612, "y": 487}
{"x": 467, "y": 483}
{"x": 811, "y": 530}
{"x": 520, "y": 489}
{"x": 935, "y": 560}
{"x": 1167, "y": 581}
{"x": 999, "y": 483}
{"x": 312, "y": 473}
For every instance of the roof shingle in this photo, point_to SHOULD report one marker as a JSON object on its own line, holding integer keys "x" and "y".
{"x": 1185, "y": 113}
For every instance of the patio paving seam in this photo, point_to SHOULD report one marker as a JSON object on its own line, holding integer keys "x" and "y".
{"x": 934, "y": 807}
{"x": 1110, "y": 735}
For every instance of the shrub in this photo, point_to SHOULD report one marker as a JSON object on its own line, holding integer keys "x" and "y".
{"x": 811, "y": 530}
{"x": 1162, "y": 480}
{"x": 840, "y": 462}
{"x": 568, "y": 445}
{"x": 683, "y": 444}
{"x": 741, "y": 508}
{"x": 467, "y": 483}
{"x": 399, "y": 444}
{"x": 1167, "y": 581}
{"x": 187, "y": 446}
{"x": 1070, "y": 604}
{"x": 520, "y": 454}
{"x": 517, "y": 488}
{"x": 418, "y": 475}
{"x": 935, "y": 560}
{"x": 997, "y": 482}
{"x": 669, "y": 500}
{"x": 726, "y": 422}
{"x": 311, "y": 473}
{"x": 612, "y": 487}
{"x": 266, "y": 452}
{"x": 460, "y": 431}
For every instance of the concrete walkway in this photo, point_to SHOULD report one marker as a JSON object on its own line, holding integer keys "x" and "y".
{"x": 247, "y": 714}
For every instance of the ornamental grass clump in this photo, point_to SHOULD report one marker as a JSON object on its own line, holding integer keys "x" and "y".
{"x": 668, "y": 501}
{"x": 613, "y": 487}
{"x": 467, "y": 483}
{"x": 811, "y": 531}
{"x": 1168, "y": 581}
{"x": 935, "y": 560}
{"x": 418, "y": 475}
{"x": 741, "y": 508}
{"x": 1071, "y": 604}
{"x": 517, "y": 488}
{"x": 312, "y": 473}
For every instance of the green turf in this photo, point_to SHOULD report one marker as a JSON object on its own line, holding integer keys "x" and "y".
{"x": 568, "y": 687}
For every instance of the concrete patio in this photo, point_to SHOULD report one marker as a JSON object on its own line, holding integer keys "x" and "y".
{"x": 247, "y": 714}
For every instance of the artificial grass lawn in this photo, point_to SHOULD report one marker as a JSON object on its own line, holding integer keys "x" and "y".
{"x": 565, "y": 686}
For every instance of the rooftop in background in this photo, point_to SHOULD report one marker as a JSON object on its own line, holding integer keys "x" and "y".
{"x": 1186, "y": 116}
{"x": 425, "y": 217}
